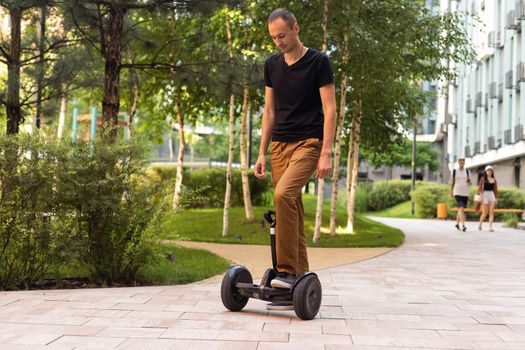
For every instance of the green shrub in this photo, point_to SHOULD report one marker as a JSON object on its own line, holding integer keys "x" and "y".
{"x": 386, "y": 194}
{"x": 215, "y": 181}
{"x": 31, "y": 238}
{"x": 74, "y": 204}
{"x": 101, "y": 185}
{"x": 362, "y": 196}
{"x": 427, "y": 196}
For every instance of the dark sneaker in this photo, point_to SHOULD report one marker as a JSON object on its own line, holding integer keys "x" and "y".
{"x": 279, "y": 306}
{"x": 464, "y": 228}
{"x": 283, "y": 280}
{"x": 457, "y": 226}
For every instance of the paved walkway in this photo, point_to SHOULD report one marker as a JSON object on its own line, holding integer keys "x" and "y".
{"x": 442, "y": 290}
{"x": 257, "y": 258}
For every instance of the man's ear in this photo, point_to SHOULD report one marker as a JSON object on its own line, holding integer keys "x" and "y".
{"x": 296, "y": 27}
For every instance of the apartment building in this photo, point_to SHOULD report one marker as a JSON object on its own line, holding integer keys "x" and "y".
{"x": 484, "y": 113}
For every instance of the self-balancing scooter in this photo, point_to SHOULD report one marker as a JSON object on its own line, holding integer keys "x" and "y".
{"x": 237, "y": 286}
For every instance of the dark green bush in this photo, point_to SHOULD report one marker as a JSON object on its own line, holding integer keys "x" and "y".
{"x": 31, "y": 241}
{"x": 427, "y": 196}
{"x": 74, "y": 203}
{"x": 386, "y": 194}
{"x": 101, "y": 185}
{"x": 214, "y": 182}
{"x": 362, "y": 196}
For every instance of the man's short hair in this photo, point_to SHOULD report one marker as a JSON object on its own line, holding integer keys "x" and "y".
{"x": 285, "y": 14}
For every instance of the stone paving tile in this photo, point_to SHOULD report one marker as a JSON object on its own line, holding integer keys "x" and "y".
{"x": 89, "y": 342}
{"x": 289, "y": 346}
{"x": 129, "y": 332}
{"x": 176, "y": 344}
{"x": 224, "y": 334}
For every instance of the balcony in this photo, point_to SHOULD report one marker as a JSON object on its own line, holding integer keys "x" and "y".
{"x": 512, "y": 22}
{"x": 507, "y": 136}
{"x": 518, "y": 133}
{"x": 491, "y": 142}
{"x": 508, "y": 80}
{"x": 479, "y": 99}
{"x": 470, "y": 106}
{"x": 477, "y": 148}
{"x": 467, "y": 151}
{"x": 500, "y": 92}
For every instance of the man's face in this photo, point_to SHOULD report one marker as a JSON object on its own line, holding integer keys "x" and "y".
{"x": 284, "y": 37}
{"x": 461, "y": 163}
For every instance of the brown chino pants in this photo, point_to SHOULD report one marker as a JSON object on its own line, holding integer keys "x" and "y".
{"x": 292, "y": 165}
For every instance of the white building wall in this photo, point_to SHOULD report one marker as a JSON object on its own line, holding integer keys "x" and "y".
{"x": 492, "y": 118}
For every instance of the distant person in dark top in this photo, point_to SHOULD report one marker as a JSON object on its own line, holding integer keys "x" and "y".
{"x": 488, "y": 192}
{"x": 299, "y": 120}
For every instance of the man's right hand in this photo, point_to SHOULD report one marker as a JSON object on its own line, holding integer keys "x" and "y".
{"x": 260, "y": 167}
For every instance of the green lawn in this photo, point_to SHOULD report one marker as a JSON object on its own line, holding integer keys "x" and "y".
{"x": 401, "y": 210}
{"x": 205, "y": 225}
{"x": 189, "y": 265}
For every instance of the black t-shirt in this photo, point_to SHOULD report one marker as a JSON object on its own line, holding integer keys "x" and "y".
{"x": 298, "y": 108}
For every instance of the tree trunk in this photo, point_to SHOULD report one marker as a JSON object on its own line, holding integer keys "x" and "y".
{"x": 40, "y": 35}
{"x": 227, "y": 195}
{"x": 244, "y": 161}
{"x": 170, "y": 142}
{"x": 320, "y": 187}
{"x": 134, "y": 100}
{"x": 337, "y": 153}
{"x": 180, "y": 157}
{"x": 356, "y": 126}
{"x": 13, "y": 109}
{"x": 113, "y": 61}
{"x": 227, "y": 192}
{"x": 63, "y": 111}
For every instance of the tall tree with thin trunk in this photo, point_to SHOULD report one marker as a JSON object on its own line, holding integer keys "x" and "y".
{"x": 320, "y": 181}
{"x": 354, "y": 149}
{"x": 231, "y": 144}
{"x": 338, "y": 134}
{"x": 180, "y": 156}
{"x": 12, "y": 59}
{"x": 248, "y": 208}
{"x": 40, "y": 38}
{"x": 63, "y": 112}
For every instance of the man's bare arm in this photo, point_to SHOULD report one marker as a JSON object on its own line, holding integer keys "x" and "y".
{"x": 268, "y": 120}
{"x": 324, "y": 167}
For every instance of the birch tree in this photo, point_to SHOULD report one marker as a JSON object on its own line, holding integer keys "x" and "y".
{"x": 320, "y": 187}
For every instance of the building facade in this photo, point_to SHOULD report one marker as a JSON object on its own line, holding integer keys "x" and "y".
{"x": 484, "y": 110}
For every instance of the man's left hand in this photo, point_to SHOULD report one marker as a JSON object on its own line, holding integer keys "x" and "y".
{"x": 324, "y": 165}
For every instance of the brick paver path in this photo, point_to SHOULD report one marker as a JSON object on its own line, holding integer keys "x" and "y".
{"x": 442, "y": 290}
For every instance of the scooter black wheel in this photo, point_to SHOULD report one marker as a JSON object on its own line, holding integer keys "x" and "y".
{"x": 307, "y": 296}
{"x": 230, "y": 294}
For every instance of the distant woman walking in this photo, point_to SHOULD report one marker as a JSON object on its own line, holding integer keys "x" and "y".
{"x": 488, "y": 192}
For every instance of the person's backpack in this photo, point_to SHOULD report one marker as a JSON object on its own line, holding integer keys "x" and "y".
{"x": 454, "y": 177}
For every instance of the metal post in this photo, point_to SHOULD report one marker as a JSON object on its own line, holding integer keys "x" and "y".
{"x": 75, "y": 124}
{"x": 93, "y": 123}
{"x": 412, "y": 204}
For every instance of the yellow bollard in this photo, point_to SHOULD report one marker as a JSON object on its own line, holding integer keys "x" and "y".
{"x": 442, "y": 211}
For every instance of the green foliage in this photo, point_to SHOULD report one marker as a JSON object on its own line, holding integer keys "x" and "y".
{"x": 76, "y": 203}
{"x": 187, "y": 265}
{"x": 214, "y": 181}
{"x": 386, "y": 194}
{"x": 427, "y": 196}
{"x": 511, "y": 220}
{"x": 190, "y": 225}
{"x": 31, "y": 238}
{"x": 101, "y": 184}
{"x": 400, "y": 154}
